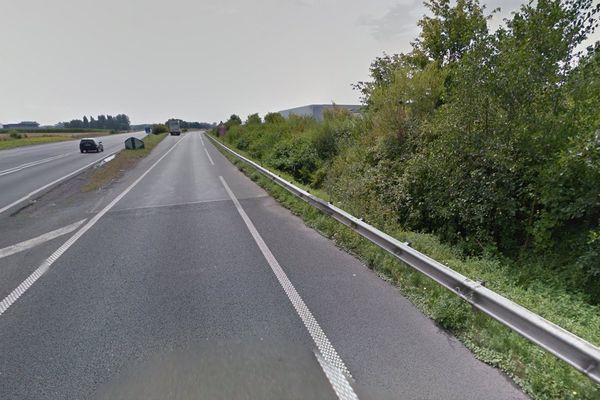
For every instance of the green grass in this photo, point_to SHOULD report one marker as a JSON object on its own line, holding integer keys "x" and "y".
{"x": 539, "y": 374}
{"x": 10, "y": 143}
{"x": 52, "y": 130}
{"x": 122, "y": 162}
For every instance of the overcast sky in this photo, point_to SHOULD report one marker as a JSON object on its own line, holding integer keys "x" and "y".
{"x": 197, "y": 60}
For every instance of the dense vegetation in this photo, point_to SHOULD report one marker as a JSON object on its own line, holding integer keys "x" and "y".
{"x": 159, "y": 128}
{"x": 119, "y": 122}
{"x": 194, "y": 125}
{"x": 490, "y": 140}
{"x": 483, "y": 149}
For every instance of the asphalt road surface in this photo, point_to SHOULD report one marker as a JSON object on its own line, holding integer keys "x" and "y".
{"x": 185, "y": 280}
{"x": 23, "y": 170}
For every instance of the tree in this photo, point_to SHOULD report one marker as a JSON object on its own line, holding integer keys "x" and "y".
{"x": 253, "y": 119}
{"x": 119, "y": 122}
{"x": 451, "y": 31}
{"x": 273, "y": 118}
{"x": 233, "y": 120}
{"x": 123, "y": 122}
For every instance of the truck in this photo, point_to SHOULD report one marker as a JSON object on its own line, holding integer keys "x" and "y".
{"x": 174, "y": 127}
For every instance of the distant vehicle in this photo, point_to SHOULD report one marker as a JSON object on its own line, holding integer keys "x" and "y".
{"x": 174, "y": 127}
{"x": 90, "y": 144}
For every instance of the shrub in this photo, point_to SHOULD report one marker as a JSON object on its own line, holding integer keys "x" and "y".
{"x": 159, "y": 128}
{"x": 296, "y": 156}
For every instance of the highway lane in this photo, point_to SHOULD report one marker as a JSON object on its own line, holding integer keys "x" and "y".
{"x": 26, "y": 169}
{"x": 169, "y": 295}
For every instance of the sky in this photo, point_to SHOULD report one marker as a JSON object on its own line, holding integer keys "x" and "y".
{"x": 197, "y": 60}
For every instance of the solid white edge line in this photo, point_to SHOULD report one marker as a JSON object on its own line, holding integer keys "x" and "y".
{"x": 209, "y": 157}
{"x": 28, "y": 244}
{"x": 47, "y": 263}
{"x": 54, "y": 182}
{"x": 326, "y": 349}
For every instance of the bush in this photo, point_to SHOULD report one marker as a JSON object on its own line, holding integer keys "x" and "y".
{"x": 15, "y": 135}
{"x": 296, "y": 156}
{"x": 569, "y": 220}
{"x": 159, "y": 128}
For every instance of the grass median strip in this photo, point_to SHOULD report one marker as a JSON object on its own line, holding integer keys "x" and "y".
{"x": 541, "y": 375}
{"x": 123, "y": 161}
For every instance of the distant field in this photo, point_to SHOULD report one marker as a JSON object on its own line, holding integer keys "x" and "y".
{"x": 7, "y": 142}
{"x": 69, "y": 135}
{"x": 40, "y": 137}
{"x": 53, "y": 130}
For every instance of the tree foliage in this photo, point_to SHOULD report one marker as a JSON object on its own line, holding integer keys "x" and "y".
{"x": 253, "y": 119}
{"x": 488, "y": 139}
{"x": 120, "y": 122}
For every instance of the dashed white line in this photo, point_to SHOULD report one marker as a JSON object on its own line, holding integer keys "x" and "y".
{"x": 339, "y": 373}
{"x": 43, "y": 268}
{"x": 32, "y": 164}
{"x": 209, "y": 157}
{"x": 28, "y": 244}
{"x": 337, "y": 380}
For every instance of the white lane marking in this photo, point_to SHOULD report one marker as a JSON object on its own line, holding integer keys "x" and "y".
{"x": 28, "y": 244}
{"x": 185, "y": 203}
{"x": 326, "y": 350}
{"x": 46, "y": 186}
{"x": 43, "y": 268}
{"x": 202, "y": 140}
{"x": 108, "y": 159}
{"x": 32, "y": 164}
{"x": 337, "y": 380}
{"x": 209, "y": 157}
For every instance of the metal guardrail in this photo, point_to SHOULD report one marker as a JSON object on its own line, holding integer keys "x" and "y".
{"x": 579, "y": 353}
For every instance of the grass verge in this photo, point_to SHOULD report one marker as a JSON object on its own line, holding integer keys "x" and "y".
{"x": 123, "y": 161}
{"x": 538, "y": 373}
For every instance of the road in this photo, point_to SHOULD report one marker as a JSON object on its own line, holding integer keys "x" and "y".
{"x": 186, "y": 280}
{"x": 24, "y": 170}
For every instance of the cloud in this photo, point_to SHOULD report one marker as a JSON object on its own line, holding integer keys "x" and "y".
{"x": 399, "y": 21}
